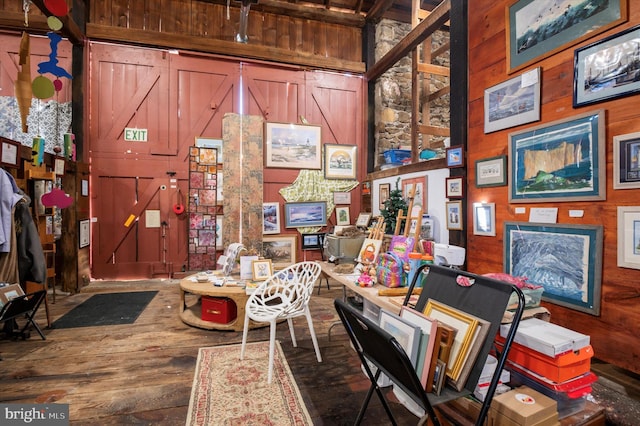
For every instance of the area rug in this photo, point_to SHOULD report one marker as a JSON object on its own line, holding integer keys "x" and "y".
{"x": 227, "y": 391}
{"x": 107, "y": 309}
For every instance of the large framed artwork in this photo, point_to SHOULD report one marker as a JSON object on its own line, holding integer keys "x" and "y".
{"x": 626, "y": 161}
{"x": 281, "y": 250}
{"x": 537, "y": 29}
{"x": 565, "y": 259}
{"x": 305, "y": 214}
{"x": 559, "y": 161}
{"x": 340, "y": 161}
{"x": 607, "y": 69}
{"x": 629, "y": 237}
{"x": 293, "y": 146}
{"x": 512, "y": 102}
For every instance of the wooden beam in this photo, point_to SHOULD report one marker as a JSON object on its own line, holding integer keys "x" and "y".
{"x": 69, "y": 28}
{"x": 319, "y": 13}
{"x": 436, "y": 19}
{"x": 220, "y": 47}
{"x": 378, "y": 9}
{"x": 434, "y": 69}
{"x": 434, "y": 130}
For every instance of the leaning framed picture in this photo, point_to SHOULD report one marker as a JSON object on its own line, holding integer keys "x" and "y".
{"x": 281, "y": 250}
{"x": 405, "y": 332}
{"x": 314, "y": 241}
{"x": 455, "y": 156}
{"x": 340, "y": 161}
{"x": 626, "y": 161}
{"x": 261, "y": 269}
{"x": 454, "y": 215}
{"x": 9, "y": 153}
{"x": 562, "y": 160}
{"x": 491, "y": 171}
{"x": 419, "y": 187}
{"x": 306, "y": 213}
{"x": 512, "y": 102}
{"x": 539, "y": 29}
{"x": 629, "y": 237}
{"x": 484, "y": 219}
{"x": 342, "y": 216}
{"x": 607, "y": 69}
{"x": 271, "y": 218}
{"x": 293, "y": 146}
{"x": 565, "y": 259}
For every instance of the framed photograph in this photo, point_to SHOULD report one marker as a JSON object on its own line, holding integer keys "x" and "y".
{"x": 530, "y": 38}
{"x": 281, "y": 250}
{"x": 261, "y": 269}
{"x": 341, "y": 198}
{"x": 10, "y": 292}
{"x": 384, "y": 190}
{"x": 406, "y": 333}
{"x": 565, "y": 259}
{"x": 58, "y": 166}
{"x": 513, "y": 102}
{"x": 84, "y": 233}
{"x": 270, "y": 218}
{"x": 293, "y": 146}
{"x": 9, "y": 152}
{"x": 202, "y": 142}
{"x": 491, "y": 171}
{"x": 340, "y": 161}
{"x": 419, "y": 187}
{"x": 559, "y": 161}
{"x": 629, "y": 237}
{"x": 302, "y": 214}
{"x": 454, "y": 215}
{"x": 363, "y": 220}
{"x": 84, "y": 188}
{"x": 313, "y": 241}
{"x": 342, "y": 216}
{"x": 465, "y": 325}
{"x": 454, "y": 187}
{"x": 626, "y": 161}
{"x": 484, "y": 219}
{"x": 428, "y": 327}
{"x": 455, "y": 157}
{"x": 607, "y": 69}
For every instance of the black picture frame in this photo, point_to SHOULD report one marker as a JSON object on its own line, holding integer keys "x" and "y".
{"x": 313, "y": 241}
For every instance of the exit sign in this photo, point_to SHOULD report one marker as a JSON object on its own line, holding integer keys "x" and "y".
{"x": 135, "y": 135}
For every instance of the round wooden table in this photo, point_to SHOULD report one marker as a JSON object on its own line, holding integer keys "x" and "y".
{"x": 190, "y": 307}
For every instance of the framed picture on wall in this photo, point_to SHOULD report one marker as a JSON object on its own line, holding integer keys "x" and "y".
{"x": 340, "y": 161}
{"x": 626, "y": 161}
{"x": 455, "y": 157}
{"x": 491, "y": 171}
{"x": 84, "y": 233}
{"x": 342, "y": 216}
{"x": 384, "y": 190}
{"x": 271, "y": 218}
{"x": 454, "y": 187}
{"x": 419, "y": 187}
{"x": 306, "y": 213}
{"x": 629, "y": 237}
{"x": 280, "y": 249}
{"x": 484, "y": 219}
{"x": 562, "y": 160}
{"x": 530, "y": 38}
{"x": 9, "y": 153}
{"x": 513, "y": 102}
{"x": 203, "y": 142}
{"x": 293, "y": 146}
{"x": 454, "y": 215}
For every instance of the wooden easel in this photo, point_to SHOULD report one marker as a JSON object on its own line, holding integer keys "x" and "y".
{"x": 414, "y": 214}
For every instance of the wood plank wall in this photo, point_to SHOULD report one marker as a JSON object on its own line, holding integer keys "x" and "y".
{"x": 614, "y": 334}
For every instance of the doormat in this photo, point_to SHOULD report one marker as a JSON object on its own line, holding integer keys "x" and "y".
{"x": 106, "y": 309}
{"x": 227, "y": 391}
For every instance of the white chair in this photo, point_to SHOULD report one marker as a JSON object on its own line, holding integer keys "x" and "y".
{"x": 284, "y": 295}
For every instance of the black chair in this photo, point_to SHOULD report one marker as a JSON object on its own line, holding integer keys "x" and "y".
{"x": 377, "y": 346}
{"x": 23, "y": 306}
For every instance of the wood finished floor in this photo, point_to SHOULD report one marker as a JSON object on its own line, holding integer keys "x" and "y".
{"x": 142, "y": 373}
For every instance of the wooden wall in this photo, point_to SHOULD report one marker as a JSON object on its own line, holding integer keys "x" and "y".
{"x": 614, "y": 334}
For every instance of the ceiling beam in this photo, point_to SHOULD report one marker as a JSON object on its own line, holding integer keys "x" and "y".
{"x": 69, "y": 29}
{"x": 424, "y": 29}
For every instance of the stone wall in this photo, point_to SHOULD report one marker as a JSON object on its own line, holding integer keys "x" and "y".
{"x": 393, "y": 104}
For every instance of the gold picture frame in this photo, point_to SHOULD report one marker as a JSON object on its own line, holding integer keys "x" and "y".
{"x": 261, "y": 269}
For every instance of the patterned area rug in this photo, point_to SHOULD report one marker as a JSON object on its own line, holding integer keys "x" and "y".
{"x": 227, "y": 391}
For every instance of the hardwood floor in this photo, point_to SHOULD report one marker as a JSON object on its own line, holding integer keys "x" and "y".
{"x": 142, "y": 373}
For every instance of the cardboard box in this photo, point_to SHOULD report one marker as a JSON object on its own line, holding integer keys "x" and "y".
{"x": 547, "y": 338}
{"x": 557, "y": 369}
{"x": 220, "y": 310}
{"x": 523, "y": 407}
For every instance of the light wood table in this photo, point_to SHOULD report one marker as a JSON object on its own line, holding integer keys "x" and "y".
{"x": 190, "y": 310}
{"x": 368, "y": 293}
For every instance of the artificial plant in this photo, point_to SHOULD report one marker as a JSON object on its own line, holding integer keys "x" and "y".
{"x": 392, "y": 206}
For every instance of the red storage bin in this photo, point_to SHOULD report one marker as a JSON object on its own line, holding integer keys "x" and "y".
{"x": 221, "y": 310}
{"x": 561, "y": 368}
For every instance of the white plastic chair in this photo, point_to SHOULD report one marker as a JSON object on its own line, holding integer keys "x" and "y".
{"x": 284, "y": 295}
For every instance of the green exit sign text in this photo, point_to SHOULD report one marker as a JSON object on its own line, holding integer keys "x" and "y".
{"x": 135, "y": 135}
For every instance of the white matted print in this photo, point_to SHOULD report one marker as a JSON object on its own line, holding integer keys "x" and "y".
{"x": 271, "y": 218}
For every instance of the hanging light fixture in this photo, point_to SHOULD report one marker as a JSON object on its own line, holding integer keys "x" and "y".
{"x": 241, "y": 36}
